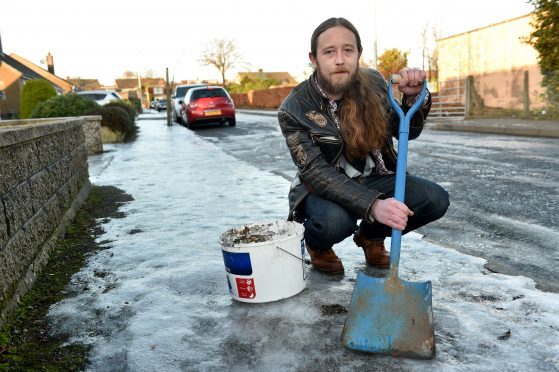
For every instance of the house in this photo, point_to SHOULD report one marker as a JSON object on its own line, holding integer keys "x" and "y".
{"x": 504, "y": 67}
{"x": 84, "y": 84}
{"x": 129, "y": 86}
{"x": 64, "y": 85}
{"x": 283, "y": 77}
{"x": 14, "y": 72}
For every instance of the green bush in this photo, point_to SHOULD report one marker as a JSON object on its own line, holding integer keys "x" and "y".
{"x": 248, "y": 84}
{"x": 32, "y": 93}
{"x": 137, "y": 103}
{"x": 116, "y": 119}
{"x": 130, "y": 109}
{"x": 67, "y": 105}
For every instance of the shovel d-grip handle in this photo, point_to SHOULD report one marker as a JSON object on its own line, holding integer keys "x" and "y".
{"x": 401, "y": 165}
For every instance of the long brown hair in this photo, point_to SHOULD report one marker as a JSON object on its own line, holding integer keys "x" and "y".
{"x": 363, "y": 116}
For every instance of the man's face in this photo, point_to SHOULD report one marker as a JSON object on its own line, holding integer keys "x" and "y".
{"x": 337, "y": 60}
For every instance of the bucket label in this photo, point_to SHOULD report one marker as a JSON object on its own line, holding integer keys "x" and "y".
{"x": 237, "y": 263}
{"x": 245, "y": 287}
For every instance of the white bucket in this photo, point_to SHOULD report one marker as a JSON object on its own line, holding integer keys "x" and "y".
{"x": 264, "y": 261}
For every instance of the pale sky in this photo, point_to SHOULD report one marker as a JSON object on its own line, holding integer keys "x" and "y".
{"x": 102, "y": 39}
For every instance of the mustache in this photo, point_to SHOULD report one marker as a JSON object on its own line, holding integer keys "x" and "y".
{"x": 340, "y": 70}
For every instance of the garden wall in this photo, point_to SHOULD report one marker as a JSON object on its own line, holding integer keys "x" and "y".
{"x": 43, "y": 181}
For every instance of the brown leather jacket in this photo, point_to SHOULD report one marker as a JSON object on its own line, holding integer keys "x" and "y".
{"x": 315, "y": 144}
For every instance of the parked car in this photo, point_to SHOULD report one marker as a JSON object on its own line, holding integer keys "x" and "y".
{"x": 178, "y": 99}
{"x": 161, "y": 105}
{"x": 207, "y": 104}
{"x": 152, "y": 104}
{"x": 102, "y": 97}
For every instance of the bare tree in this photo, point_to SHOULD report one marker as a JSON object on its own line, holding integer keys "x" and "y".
{"x": 424, "y": 46}
{"x": 129, "y": 74}
{"x": 222, "y": 54}
{"x": 433, "y": 56}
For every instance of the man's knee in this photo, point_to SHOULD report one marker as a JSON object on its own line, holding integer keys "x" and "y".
{"x": 439, "y": 200}
{"x": 328, "y": 228}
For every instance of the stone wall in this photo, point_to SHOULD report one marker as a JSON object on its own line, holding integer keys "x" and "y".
{"x": 43, "y": 181}
{"x": 91, "y": 126}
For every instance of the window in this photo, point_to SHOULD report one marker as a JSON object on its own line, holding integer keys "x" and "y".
{"x": 208, "y": 93}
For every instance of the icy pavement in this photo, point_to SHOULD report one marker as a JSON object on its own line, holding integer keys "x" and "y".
{"x": 158, "y": 299}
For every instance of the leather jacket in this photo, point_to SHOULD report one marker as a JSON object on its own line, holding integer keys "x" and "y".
{"x": 316, "y": 144}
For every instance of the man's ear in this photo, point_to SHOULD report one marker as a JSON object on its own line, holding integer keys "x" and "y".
{"x": 313, "y": 60}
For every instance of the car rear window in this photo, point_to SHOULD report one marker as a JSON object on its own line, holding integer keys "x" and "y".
{"x": 181, "y": 91}
{"x": 208, "y": 93}
{"x": 95, "y": 96}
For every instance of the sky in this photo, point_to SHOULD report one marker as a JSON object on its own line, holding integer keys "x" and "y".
{"x": 103, "y": 39}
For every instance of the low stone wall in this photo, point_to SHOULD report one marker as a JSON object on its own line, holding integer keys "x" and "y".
{"x": 91, "y": 126}
{"x": 43, "y": 181}
{"x": 266, "y": 98}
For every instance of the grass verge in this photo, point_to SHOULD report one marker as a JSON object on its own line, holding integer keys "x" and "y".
{"x": 25, "y": 341}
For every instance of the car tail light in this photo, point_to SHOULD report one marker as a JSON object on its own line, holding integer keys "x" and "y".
{"x": 193, "y": 105}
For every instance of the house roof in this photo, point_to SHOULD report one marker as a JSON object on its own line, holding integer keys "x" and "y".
{"x": 284, "y": 77}
{"x": 132, "y": 83}
{"x": 84, "y": 84}
{"x": 63, "y": 84}
{"x": 24, "y": 70}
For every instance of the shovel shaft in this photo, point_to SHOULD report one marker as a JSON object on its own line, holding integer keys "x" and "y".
{"x": 401, "y": 165}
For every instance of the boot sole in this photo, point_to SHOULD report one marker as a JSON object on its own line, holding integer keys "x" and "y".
{"x": 378, "y": 266}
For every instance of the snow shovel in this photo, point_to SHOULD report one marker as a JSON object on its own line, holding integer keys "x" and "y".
{"x": 389, "y": 315}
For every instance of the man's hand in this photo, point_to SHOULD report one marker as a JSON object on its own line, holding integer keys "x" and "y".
{"x": 391, "y": 213}
{"x": 412, "y": 81}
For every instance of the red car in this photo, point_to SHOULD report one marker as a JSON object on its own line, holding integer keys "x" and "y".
{"x": 207, "y": 104}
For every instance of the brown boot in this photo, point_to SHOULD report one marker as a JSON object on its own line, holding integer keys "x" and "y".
{"x": 375, "y": 253}
{"x": 325, "y": 261}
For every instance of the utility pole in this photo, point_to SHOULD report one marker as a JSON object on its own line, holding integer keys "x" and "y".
{"x": 168, "y": 94}
{"x": 375, "y": 57}
{"x": 140, "y": 90}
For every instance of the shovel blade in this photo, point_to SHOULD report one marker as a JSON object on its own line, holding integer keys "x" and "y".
{"x": 390, "y": 316}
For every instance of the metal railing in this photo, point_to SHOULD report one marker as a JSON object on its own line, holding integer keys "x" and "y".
{"x": 450, "y": 102}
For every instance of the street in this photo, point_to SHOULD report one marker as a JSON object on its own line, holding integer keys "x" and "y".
{"x": 504, "y": 190}
{"x": 157, "y": 298}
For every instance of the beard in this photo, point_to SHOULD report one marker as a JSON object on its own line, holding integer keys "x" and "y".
{"x": 328, "y": 84}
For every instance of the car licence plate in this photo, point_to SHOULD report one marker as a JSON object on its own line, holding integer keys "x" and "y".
{"x": 212, "y": 112}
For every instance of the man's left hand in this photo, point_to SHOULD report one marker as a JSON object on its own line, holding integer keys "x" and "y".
{"x": 412, "y": 81}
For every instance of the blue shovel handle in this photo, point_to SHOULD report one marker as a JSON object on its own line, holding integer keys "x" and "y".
{"x": 401, "y": 165}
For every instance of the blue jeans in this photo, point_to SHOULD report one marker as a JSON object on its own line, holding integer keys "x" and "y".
{"x": 327, "y": 223}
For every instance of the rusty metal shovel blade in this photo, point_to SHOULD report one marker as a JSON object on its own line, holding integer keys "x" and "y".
{"x": 390, "y": 316}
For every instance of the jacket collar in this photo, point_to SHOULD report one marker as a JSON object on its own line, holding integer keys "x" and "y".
{"x": 321, "y": 99}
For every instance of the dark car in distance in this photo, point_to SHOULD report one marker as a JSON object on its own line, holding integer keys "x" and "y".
{"x": 161, "y": 105}
{"x": 207, "y": 104}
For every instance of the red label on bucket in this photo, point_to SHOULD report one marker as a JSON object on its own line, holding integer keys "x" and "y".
{"x": 245, "y": 287}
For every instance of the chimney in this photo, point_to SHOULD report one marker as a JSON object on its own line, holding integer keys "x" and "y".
{"x": 50, "y": 63}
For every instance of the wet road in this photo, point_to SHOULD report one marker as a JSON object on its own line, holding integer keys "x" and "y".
{"x": 504, "y": 190}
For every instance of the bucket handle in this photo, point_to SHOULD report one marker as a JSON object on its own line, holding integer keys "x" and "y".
{"x": 304, "y": 261}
